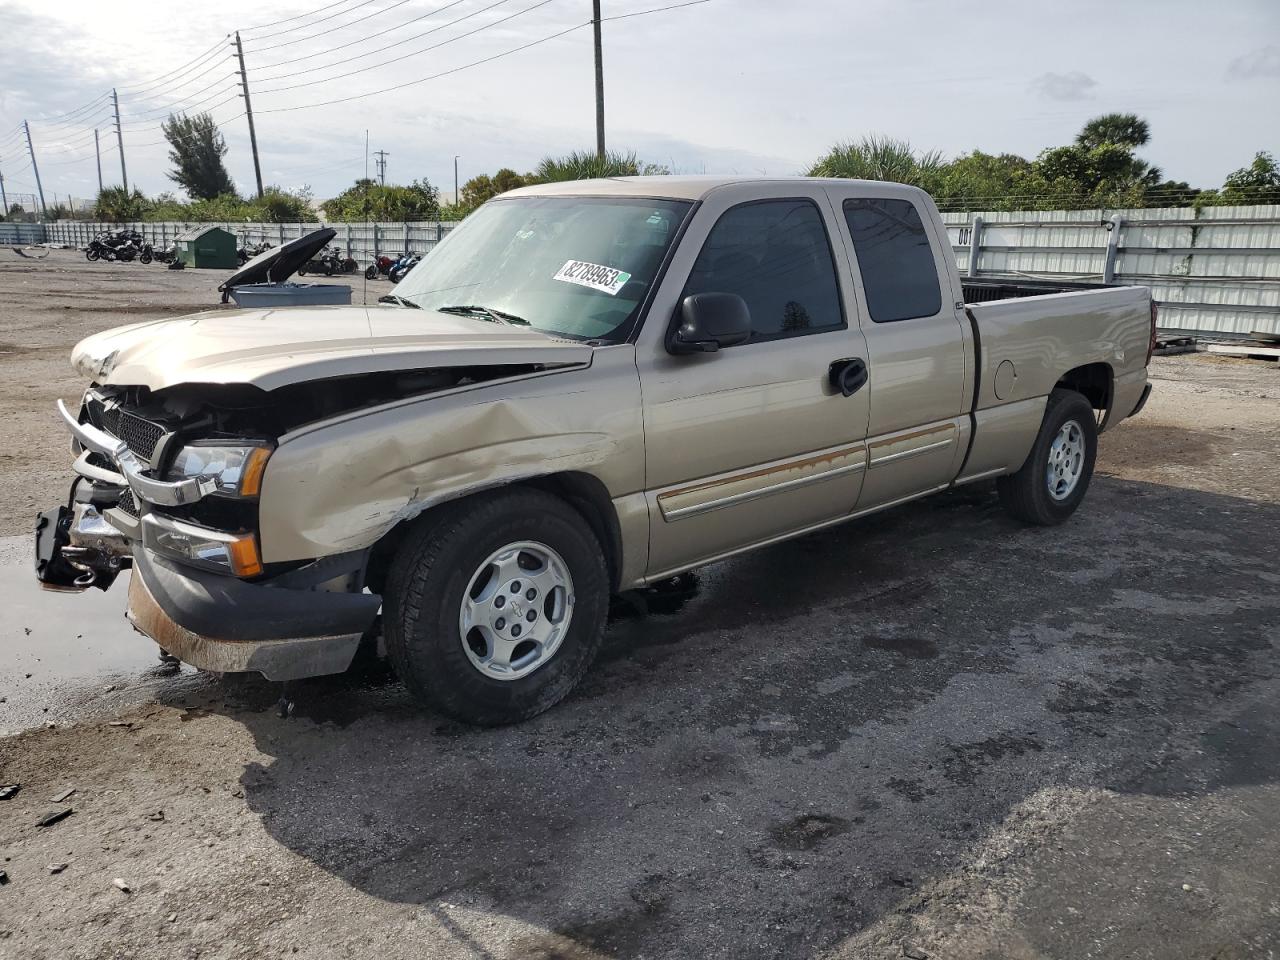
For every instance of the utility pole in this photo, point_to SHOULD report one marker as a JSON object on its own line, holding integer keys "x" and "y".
{"x": 248, "y": 112}
{"x": 124, "y": 174}
{"x": 595, "y": 27}
{"x": 32, "y": 150}
{"x": 382, "y": 165}
{"x": 4, "y": 201}
{"x": 97, "y": 152}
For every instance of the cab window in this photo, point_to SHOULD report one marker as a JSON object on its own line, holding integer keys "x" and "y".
{"x": 776, "y": 256}
{"x": 892, "y": 245}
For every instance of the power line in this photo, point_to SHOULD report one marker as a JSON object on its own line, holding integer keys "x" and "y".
{"x": 413, "y": 53}
{"x": 435, "y": 76}
{"x": 273, "y": 23}
{"x": 465, "y": 66}
{"x": 398, "y": 43}
{"x": 351, "y": 43}
{"x": 285, "y": 43}
{"x": 164, "y": 77}
{"x": 642, "y": 13}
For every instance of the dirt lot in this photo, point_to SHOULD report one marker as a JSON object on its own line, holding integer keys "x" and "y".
{"x": 933, "y": 732}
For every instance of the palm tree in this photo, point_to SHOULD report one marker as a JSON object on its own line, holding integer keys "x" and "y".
{"x": 879, "y": 158}
{"x": 585, "y": 165}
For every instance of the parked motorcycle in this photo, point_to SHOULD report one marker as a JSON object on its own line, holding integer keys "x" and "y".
{"x": 329, "y": 262}
{"x": 122, "y": 245}
{"x": 403, "y": 266}
{"x": 247, "y": 252}
{"x": 380, "y": 267}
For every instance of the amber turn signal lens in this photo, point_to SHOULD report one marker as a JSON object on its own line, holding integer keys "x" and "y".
{"x": 243, "y": 554}
{"x": 254, "y": 467}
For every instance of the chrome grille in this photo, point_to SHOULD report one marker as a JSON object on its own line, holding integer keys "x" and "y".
{"x": 141, "y": 436}
{"x": 127, "y": 504}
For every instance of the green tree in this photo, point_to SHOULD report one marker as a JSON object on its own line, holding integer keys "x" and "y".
{"x": 16, "y": 213}
{"x": 368, "y": 199}
{"x": 984, "y": 181}
{"x": 117, "y": 205}
{"x": 1125, "y": 129}
{"x": 880, "y": 158}
{"x": 479, "y": 189}
{"x": 196, "y": 149}
{"x": 585, "y": 165}
{"x": 1257, "y": 183}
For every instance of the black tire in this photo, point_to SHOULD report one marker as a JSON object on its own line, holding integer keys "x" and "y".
{"x": 1026, "y": 494}
{"x": 328, "y": 269}
{"x": 371, "y": 273}
{"x": 424, "y": 593}
{"x": 146, "y": 257}
{"x": 302, "y": 270}
{"x": 91, "y": 254}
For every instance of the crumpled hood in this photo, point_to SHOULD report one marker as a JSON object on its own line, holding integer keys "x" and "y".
{"x": 272, "y": 348}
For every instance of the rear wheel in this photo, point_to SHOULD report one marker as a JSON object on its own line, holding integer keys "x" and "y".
{"x": 1055, "y": 477}
{"x": 494, "y": 612}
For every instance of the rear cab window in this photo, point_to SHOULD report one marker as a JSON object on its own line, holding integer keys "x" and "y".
{"x": 776, "y": 255}
{"x": 899, "y": 275}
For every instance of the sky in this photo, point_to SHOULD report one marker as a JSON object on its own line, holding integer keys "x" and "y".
{"x": 723, "y": 86}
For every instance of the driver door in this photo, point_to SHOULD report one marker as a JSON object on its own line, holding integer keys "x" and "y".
{"x": 753, "y": 443}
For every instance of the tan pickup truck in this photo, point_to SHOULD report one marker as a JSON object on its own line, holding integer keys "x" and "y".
{"x": 585, "y": 388}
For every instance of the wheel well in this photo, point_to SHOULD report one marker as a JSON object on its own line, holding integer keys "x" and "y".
{"x": 1093, "y": 381}
{"x": 585, "y": 493}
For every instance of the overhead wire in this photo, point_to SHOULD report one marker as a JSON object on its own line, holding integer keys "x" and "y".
{"x": 341, "y": 26}
{"x": 413, "y": 53}
{"x": 398, "y": 43}
{"x": 466, "y": 66}
{"x": 273, "y": 23}
{"x": 164, "y": 77}
{"x": 365, "y": 39}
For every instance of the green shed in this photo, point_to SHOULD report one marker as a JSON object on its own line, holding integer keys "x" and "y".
{"x": 208, "y": 247}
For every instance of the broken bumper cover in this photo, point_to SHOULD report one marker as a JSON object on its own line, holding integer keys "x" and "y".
{"x": 219, "y": 623}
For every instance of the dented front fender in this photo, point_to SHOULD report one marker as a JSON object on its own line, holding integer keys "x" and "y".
{"x": 341, "y": 485}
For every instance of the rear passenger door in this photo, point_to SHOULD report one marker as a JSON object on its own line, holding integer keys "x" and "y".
{"x": 916, "y": 343}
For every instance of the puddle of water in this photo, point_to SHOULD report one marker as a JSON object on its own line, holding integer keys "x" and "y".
{"x": 70, "y": 645}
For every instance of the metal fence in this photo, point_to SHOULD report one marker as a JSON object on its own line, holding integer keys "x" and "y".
{"x": 363, "y": 241}
{"x": 20, "y": 233}
{"x": 1214, "y": 270}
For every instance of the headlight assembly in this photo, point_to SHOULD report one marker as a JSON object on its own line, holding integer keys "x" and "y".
{"x": 236, "y": 467}
{"x": 235, "y": 553}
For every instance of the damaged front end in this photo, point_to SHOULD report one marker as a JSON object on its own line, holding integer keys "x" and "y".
{"x": 168, "y": 484}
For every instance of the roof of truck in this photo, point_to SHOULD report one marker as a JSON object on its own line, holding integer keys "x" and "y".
{"x": 675, "y": 187}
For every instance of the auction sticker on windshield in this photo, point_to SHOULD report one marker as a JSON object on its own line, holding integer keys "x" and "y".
{"x": 593, "y": 275}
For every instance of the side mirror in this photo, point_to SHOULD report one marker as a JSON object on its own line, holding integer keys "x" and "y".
{"x": 709, "y": 321}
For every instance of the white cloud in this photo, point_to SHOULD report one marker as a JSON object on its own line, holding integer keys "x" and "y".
{"x": 1064, "y": 86}
{"x": 1263, "y": 62}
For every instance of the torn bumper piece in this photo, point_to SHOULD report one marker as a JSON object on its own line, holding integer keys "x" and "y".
{"x": 219, "y": 623}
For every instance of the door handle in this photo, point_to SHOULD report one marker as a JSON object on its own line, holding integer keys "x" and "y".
{"x": 848, "y": 376}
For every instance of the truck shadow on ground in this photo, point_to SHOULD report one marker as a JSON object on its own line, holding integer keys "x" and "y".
{"x": 779, "y": 761}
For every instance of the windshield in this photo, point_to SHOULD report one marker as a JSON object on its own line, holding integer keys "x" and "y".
{"x": 570, "y": 266}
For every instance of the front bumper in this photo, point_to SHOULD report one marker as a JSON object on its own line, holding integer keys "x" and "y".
{"x": 219, "y": 623}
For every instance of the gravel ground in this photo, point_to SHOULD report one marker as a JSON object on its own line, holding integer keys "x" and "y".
{"x": 930, "y": 733}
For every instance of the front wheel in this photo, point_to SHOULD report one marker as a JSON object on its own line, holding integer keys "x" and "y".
{"x": 371, "y": 273}
{"x": 494, "y": 612}
{"x": 91, "y": 254}
{"x": 1052, "y": 482}
{"x": 146, "y": 256}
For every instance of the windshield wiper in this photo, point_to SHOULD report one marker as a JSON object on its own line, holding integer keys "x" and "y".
{"x": 402, "y": 301}
{"x": 473, "y": 309}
